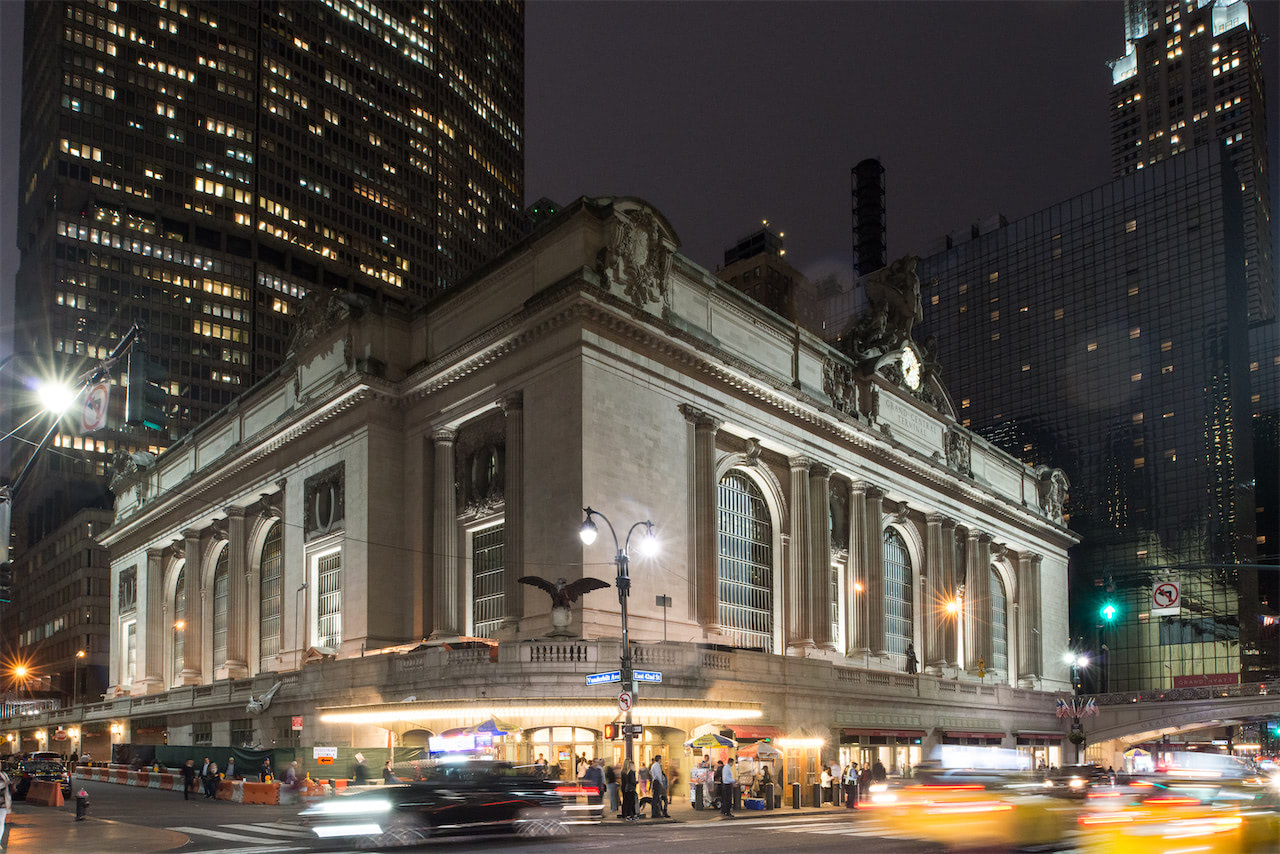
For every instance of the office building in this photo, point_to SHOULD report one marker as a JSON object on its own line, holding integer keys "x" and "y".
{"x": 757, "y": 266}
{"x": 1106, "y": 335}
{"x": 197, "y": 168}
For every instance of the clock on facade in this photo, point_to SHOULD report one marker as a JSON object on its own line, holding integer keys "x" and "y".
{"x": 911, "y": 368}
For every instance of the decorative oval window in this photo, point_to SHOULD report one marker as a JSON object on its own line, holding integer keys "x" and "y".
{"x": 325, "y": 503}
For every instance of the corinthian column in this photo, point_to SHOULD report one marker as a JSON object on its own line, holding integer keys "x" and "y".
{"x": 820, "y": 556}
{"x": 236, "y": 664}
{"x": 951, "y": 619}
{"x": 856, "y": 576}
{"x": 444, "y": 588}
{"x": 193, "y": 622}
{"x": 705, "y": 594}
{"x": 1029, "y": 665}
{"x": 799, "y": 579}
{"x": 875, "y": 571}
{"x": 935, "y": 615}
{"x": 513, "y": 502}
{"x": 152, "y": 634}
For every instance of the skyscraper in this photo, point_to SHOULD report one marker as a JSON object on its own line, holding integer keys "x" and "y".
{"x": 1105, "y": 335}
{"x": 197, "y": 168}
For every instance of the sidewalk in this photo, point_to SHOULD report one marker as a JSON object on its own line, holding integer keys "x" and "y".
{"x": 56, "y": 831}
{"x": 681, "y": 810}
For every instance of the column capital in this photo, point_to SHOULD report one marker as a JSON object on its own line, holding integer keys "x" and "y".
{"x": 699, "y": 417}
{"x": 157, "y": 553}
{"x": 820, "y": 470}
{"x": 799, "y": 462}
{"x": 190, "y": 534}
{"x": 874, "y": 492}
{"x": 443, "y": 434}
{"x": 234, "y": 511}
{"x": 512, "y": 402}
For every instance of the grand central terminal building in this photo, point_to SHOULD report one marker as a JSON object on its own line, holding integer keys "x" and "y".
{"x": 335, "y": 559}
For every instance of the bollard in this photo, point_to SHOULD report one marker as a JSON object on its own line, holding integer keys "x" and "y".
{"x": 817, "y": 794}
{"x": 795, "y": 796}
{"x": 82, "y": 804}
{"x": 737, "y": 797}
{"x": 768, "y": 796}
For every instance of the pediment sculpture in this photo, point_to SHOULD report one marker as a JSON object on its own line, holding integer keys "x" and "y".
{"x": 893, "y": 308}
{"x": 637, "y": 256}
{"x": 1053, "y": 492}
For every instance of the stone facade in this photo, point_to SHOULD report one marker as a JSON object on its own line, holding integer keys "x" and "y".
{"x": 590, "y": 365}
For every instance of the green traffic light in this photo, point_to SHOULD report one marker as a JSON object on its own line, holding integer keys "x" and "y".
{"x": 1109, "y": 612}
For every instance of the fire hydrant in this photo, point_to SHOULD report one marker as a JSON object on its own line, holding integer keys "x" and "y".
{"x": 82, "y": 804}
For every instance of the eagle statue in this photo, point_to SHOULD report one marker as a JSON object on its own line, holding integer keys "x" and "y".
{"x": 563, "y": 594}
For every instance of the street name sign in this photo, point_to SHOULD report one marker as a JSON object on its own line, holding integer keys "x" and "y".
{"x": 602, "y": 678}
{"x": 648, "y": 676}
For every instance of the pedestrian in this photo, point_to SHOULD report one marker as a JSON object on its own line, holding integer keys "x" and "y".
{"x": 611, "y": 783}
{"x": 264, "y": 774}
{"x": 211, "y": 781}
{"x": 864, "y": 782}
{"x": 643, "y": 774}
{"x": 582, "y": 765}
{"x": 360, "y": 773}
{"x": 628, "y": 791}
{"x": 593, "y": 780}
{"x": 204, "y": 769}
{"x": 825, "y": 779}
{"x": 74, "y": 757}
{"x": 726, "y": 795}
{"x": 231, "y": 768}
{"x": 5, "y": 805}
{"x": 541, "y": 762}
{"x": 388, "y": 776}
{"x": 766, "y": 780}
{"x": 188, "y": 779}
{"x": 878, "y": 774}
{"x": 658, "y": 789}
{"x": 291, "y": 776}
{"x": 851, "y": 786}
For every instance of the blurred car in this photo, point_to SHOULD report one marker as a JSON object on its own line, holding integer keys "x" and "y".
{"x": 1074, "y": 781}
{"x": 467, "y": 797}
{"x": 29, "y": 770}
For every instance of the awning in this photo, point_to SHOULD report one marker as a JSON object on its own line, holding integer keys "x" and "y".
{"x": 757, "y": 732}
{"x": 1039, "y": 737}
{"x": 955, "y": 733}
{"x": 890, "y": 733}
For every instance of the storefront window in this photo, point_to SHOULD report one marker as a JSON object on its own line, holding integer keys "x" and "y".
{"x": 563, "y": 745}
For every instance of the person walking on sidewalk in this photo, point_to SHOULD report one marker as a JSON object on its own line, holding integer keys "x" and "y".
{"x": 726, "y": 793}
{"x": 6, "y": 804}
{"x": 211, "y": 781}
{"x": 611, "y": 783}
{"x": 188, "y": 779}
{"x": 657, "y": 789}
{"x": 628, "y": 791}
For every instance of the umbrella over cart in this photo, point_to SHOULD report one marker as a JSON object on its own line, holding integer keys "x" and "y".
{"x": 760, "y": 750}
{"x": 710, "y": 740}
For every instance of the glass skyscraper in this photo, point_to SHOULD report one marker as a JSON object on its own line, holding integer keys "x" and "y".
{"x": 1107, "y": 335}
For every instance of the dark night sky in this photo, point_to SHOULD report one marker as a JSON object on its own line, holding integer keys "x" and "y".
{"x": 722, "y": 114}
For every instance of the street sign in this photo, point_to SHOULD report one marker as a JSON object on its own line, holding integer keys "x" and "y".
{"x": 602, "y": 678}
{"x": 625, "y": 699}
{"x": 635, "y": 729}
{"x": 94, "y": 416}
{"x": 324, "y": 755}
{"x": 297, "y": 722}
{"x": 648, "y": 676}
{"x": 1166, "y": 598}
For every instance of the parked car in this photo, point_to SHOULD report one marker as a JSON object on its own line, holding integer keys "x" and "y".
{"x": 29, "y": 770}
{"x": 468, "y": 797}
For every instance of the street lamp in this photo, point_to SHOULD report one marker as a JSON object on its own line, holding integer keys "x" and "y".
{"x": 1076, "y": 661}
{"x": 648, "y": 547}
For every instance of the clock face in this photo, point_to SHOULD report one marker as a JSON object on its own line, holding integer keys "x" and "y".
{"x": 911, "y": 368}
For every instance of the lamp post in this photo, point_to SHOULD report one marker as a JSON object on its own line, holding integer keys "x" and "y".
{"x": 648, "y": 547}
{"x": 1077, "y": 661}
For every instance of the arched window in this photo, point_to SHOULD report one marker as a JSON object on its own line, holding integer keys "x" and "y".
{"x": 269, "y": 591}
{"x": 179, "y": 622}
{"x": 220, "y": 591}
{"x": 745, "y": 575}
{"x": 999, "y": 624}
{"x": 899, "y": 620}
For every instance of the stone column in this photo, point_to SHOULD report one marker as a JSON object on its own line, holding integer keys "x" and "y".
{"x": 705, "y": 592}
{"x": 192, "y": 632}
{"x": 513, "y": 501}
{"x": 1029, "y": 667}
{"x": 875, "y": 571}
{"x": 820, "y": 556}
{"x": 446, "y": 606}
{"x": 935, "y": 594}
{"x": 984, "y": 616}
{"x": 151, "y": 637}
{"x": 799, "y": 577}
{"x": 855, "y": 576}
{"x": 977, "y": 600}
{"x": 951, "y": 621}
{"x": 237, "y": 663}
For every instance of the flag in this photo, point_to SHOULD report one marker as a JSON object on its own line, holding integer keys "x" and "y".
{"x": 1063, "y": 709}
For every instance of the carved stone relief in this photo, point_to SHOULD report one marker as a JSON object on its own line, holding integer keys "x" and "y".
{"x": 324, "y": 502}
{"x": 959, "y": 448}
{"x": 637, "y": 257}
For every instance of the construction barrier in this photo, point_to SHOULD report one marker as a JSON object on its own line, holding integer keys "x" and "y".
{"x": 261, "y": 793}
{"x": 45, "y": 794}
{"x": 235, "y": 791}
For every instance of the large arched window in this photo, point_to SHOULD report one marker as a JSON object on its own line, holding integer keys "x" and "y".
{"x": 179, "y": 623}
{"x": 220, "y": 591}
{"x": 745, "y": 575}
{"x": 899, "y": 620}
{"x": 269, "y": 591}
{"x": 999, "y": 624}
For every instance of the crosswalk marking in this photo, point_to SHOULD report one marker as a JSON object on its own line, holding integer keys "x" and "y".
{"x": 272, "y": 829}
{"x": 779, "y": 823}
{"x": 217, "y": 834}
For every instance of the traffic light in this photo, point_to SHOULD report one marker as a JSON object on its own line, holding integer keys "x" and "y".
{"x": 1109, "y": 611}
{"x": 144, "y": 398}
{"x": 6, "y": 583}
{"x": 613, "y": 731}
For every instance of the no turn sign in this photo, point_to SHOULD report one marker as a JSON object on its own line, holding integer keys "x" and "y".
{"x": 1166, "y": 598}
{"x": 625, "y": 699}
